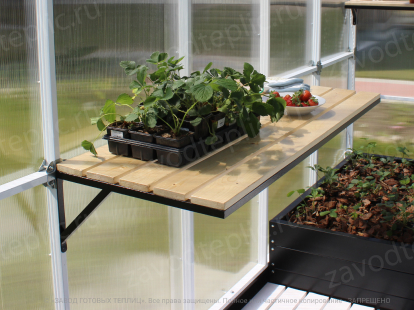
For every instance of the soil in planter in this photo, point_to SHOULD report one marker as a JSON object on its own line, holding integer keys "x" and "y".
{"x": 172, "y": 135}
{"x": 372, "y": 197}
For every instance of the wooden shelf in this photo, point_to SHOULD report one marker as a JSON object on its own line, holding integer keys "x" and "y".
{"x": 224, "y": 180}
{"x": 380, "y": 5}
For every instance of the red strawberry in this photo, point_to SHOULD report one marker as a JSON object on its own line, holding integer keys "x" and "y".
{"x": 304, "y": 104}
{"x": 312, "y": 102}
{"x": 305, "y": 96}
{"x": 276, "y": 94}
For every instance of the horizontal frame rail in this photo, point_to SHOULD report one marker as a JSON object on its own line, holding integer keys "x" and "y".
{"x": 20, "y": 185}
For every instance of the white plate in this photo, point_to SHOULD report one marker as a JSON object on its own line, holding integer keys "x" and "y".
{"x": 299, "y": 111}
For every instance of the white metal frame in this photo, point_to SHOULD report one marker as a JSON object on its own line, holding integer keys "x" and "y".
{"x": 181, "y": 222}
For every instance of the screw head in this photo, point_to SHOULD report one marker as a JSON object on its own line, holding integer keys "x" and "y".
{"x": 273, "y": 264}
{"x": 272, "y": 241}
{"x": 273, "y": 226}
{"x": 273, "y": 271}
{"x": 272, "y": 249}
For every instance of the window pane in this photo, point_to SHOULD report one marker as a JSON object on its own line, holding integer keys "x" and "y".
{"x": 225, "y": 32}
{"x": 26, "y": 273}
{"x": 91, "y": 40}
{"x": 332, "y": 153}
{"x": 296, "y": 178}
{"x": 122, "y": 251}
{"x": 334, "y": 28}
{"x": 336, "y": 75}
{"x": 289, "y": 35}
{"x": 224, "y": 251}
{"x": 21, "y": 140}
{"x": 384, "y": 56}
{"x": 390, "y": 125}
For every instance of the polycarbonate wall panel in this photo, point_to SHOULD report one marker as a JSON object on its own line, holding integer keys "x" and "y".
{"x": 224, "y": 250}
{"x": 296, "y": 178}
{"x": 334, "y": 28}
{"x": 390, "y": 125}
{"x": 25, "y": 266}
{"x": 91, "y": 39}
{"x": 121, "y": 252}
{"x": 21, "y": 140}
{"x": 225, "y": 32}
{"x": 290, "y": 24}
{"x": 385, "y": 52}
{"x": 336, "y": 75}
{"x": 333, "y": 152}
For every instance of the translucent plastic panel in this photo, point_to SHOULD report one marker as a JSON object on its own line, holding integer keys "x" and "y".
{"x": 225, "y": 250}
{"x": 121, "y": 252}
{"x": 334, "y": 28}
{"x": 332, "y": 153}
{"x": 289, "y": 36}
{"x": 26, "y": 273}
{"x": 21, "y": 140}
{"x": 390, "y": 125}
{"x": 385, "y": 52}
{"x": 91, "y": 38}
{"x": 296, "y": 178}
{"x": 336, "y": 75}
{"x": 225, "y": 32}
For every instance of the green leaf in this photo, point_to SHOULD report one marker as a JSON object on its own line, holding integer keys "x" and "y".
{"x": 154, "y": 58}
{"x": 125, "y": 99}
{"x": 101, "y": 126}
{"x": 207, "y": 67}
{"x": 168, "y": 94}
{"x": 162, "y": 57}
{"x": 109, "y": 108}
{"x": 142, "y": 74}
{"x": 252, "y": 98}
{"x": 333, "y": 214}
{"x": 248, "y": 70}
{"x": 177, "y": 84}
{"x": 227, "y": 83}
{"x": 202, "y": 92}
{"x": 324, "y": 213}
{"x": 301, "y": 191}
{"x": 211, "y": 140}
{"x": 290, "y": 193}
{"x": 258, "y": 79}
{"x": 151, "y": 120}
{"x": 131, "y": 117}
{"x": 128, "y": 64}
{"x": 355, "y": 181}
{"x": 250, "y": 124}
{"x": 262, "y": 109}
{"x": 205, "y": 110}
{"x": 149, "y": 102}
{"x": 89, "y": 147}
{"x": 134, "y": 84}
{"x": 279, "y": 105}
{"x": 196, "y": 122}
{"x": 214, "y": 72}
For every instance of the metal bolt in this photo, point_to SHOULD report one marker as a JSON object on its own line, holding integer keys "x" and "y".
{"x": 272, "y": 249}
{"x": 272, "y": 241}
{"x": 273, "y": 264}
{"x": 273, "y": 271}
{"x": 273, "y": 226}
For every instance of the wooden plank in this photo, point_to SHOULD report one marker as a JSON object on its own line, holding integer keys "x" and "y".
{"x": 266, "y": 297}
{"x": 79, "y": 165}
{"x": 238, "y": 182}
{"x": 320, "y": 90}
{"x": 313, "y": 301}
{"x": 289, "y": 299}
{"x": 360, "y": 307}
{"x": 182, "y": 185}
{"x": 337, "y": 304}
{"x": 111, "y": 171}
{"x": 381, "y": 4}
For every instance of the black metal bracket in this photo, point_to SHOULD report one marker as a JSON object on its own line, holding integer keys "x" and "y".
{"x": 354, "y": 16}
{"x": 66, "y": 232}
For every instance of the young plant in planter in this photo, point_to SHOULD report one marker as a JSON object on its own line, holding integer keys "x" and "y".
{"x": 355, "y": 230}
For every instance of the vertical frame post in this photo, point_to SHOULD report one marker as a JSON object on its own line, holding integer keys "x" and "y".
{"x": 47, "y": 77}
{"x": 264, "y": 60}
{"x": 351, "y": 75}
{"x": 181, "y": 221}
{"x": 316, "y": 77}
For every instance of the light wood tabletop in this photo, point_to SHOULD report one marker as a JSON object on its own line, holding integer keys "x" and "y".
{"x": 229, "y": 176}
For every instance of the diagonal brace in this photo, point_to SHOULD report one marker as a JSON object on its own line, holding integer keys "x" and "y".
{"x": 80, "y": 219}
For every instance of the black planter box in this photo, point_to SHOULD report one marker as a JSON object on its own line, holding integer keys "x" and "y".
{"x": 142, "y": 152}
{"x": 369, "y": 271}
{"x": 117, "y": 148}
{"x": 201, "y": 131}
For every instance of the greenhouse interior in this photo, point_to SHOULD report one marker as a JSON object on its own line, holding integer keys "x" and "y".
{"x": 207, "y": 154}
